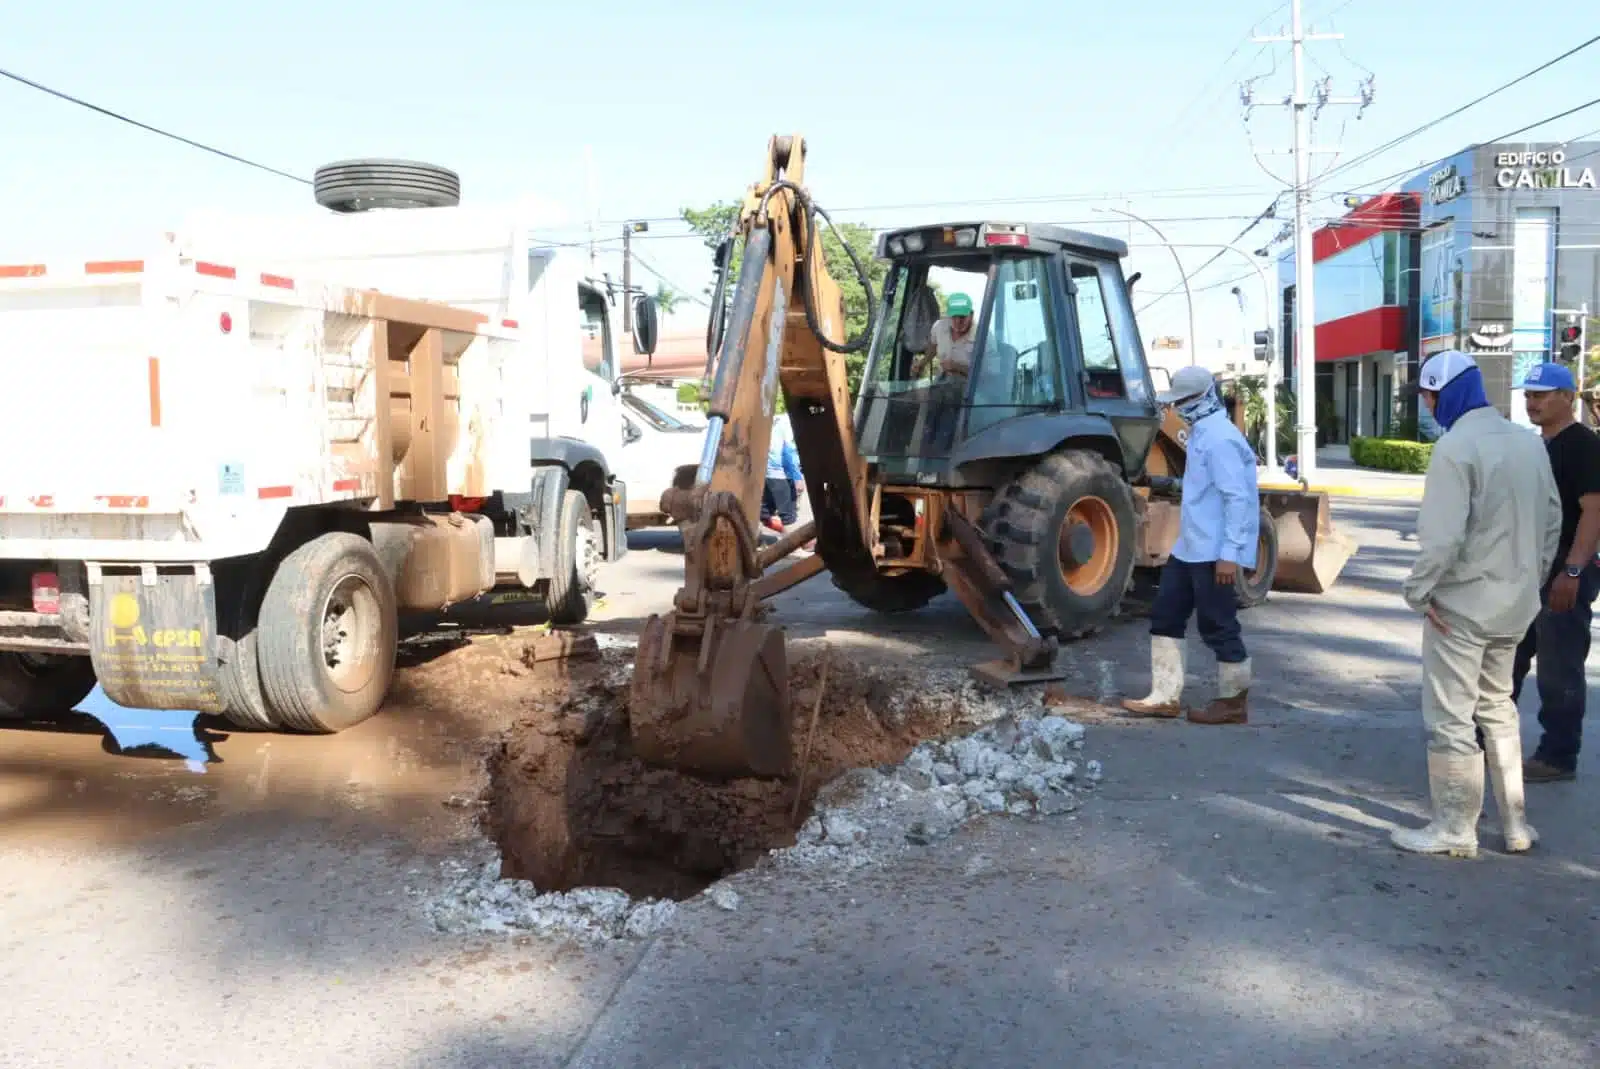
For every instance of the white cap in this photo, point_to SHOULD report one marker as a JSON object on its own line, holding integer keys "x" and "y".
{"x": 1442, "y": 368}
{"x": 1187, "y": 382}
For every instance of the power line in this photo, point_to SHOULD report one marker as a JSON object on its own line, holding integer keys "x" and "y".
{"x": 58, "y": 94}
{"x": 1502, "y": 137}
{"x": 1371, "y": 154}
{"x": 684, "y": 291}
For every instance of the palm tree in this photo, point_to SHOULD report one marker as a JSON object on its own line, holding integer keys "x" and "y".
{"x": 667, "y": 298}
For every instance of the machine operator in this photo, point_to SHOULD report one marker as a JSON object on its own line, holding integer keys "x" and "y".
{"x": 950, "y": 343}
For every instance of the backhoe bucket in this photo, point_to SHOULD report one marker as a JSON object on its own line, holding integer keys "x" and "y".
{"x": 1311, "y": 552}
{"x": 714, "y": 704}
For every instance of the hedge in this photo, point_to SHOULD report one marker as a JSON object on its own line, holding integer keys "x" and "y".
{"x": 1390, "y": 454}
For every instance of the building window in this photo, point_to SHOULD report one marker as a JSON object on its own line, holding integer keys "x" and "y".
{"x": 1438, "y": 280}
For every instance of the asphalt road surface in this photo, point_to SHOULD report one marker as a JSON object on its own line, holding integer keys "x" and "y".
{"x": 1227, "y": 898}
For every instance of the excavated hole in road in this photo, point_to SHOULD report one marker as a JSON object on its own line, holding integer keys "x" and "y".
{"x": 571, "y": 807}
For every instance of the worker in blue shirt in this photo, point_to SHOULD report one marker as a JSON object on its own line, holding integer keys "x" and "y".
{"x": 780, "y": 499}
{"x": 1218, "y": 529}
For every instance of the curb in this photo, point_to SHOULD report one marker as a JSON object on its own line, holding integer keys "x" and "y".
{"x": 1398, "y": 493}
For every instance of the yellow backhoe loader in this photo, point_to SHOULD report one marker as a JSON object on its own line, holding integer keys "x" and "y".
{"x": 1032, "y": 483}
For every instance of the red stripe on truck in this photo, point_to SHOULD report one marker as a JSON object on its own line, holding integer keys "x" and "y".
{"x": 43, "y": 501}
{"x": 512, "y": 323}
{"x": 21, "y": 270}
{"x": 267, "y": 492}
{"x": 114, "y": 267}
{"x": 123, "y": 501}
{"x": 277, "y": 282}
{"x": 344, "y": 485}
{"x": 214, "y": 270}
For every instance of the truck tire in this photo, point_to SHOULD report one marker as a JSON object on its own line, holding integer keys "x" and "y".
{"x": 1064, "y": 535}
{"x": 906, "y": 592}
{"x": 1253, "y": 586}
{"x": 238, "y": 671}
{"x": 361, "y": 185}
{"x": 37, "y": 684}
{"x": 578, "y": 553}
{"x": 327, "y": 635}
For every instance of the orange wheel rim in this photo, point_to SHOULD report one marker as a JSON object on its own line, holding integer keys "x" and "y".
{"x": 1086, "y": 566}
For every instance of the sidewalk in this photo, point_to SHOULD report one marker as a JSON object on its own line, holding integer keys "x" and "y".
{"x": 1339, "y": 476}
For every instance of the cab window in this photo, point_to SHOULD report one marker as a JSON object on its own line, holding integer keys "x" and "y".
{"x": 1017, "y": 371}
{"x": 1102, "y": 371}
{"x": 599, "y": 356}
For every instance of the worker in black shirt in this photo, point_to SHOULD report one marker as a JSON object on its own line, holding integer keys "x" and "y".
{"x": 1559, "y": 637}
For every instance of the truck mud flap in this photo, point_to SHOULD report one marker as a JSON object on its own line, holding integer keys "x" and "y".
{"x": 152, "y": 635}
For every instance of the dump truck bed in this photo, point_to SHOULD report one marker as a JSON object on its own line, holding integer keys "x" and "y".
{"x": 174, "y": 406}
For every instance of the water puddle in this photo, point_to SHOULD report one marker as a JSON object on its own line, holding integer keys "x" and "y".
{"x": 173, "y": 734}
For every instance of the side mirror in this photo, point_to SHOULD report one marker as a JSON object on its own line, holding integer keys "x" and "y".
{"x": 645, "y": 325}
{"x": 630, "y": 433}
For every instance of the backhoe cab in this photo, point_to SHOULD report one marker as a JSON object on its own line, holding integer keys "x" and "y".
{"x": 1037, "y": 444}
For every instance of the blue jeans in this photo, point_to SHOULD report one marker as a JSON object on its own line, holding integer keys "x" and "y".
{"x": 1190, "y": 588}
{"x": 1560, "y": 643}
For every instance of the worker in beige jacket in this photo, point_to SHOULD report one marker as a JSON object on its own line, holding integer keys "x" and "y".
{"x": 1487, "y": 533}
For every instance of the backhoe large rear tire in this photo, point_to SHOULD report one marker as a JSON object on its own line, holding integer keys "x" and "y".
{"x": 1064, "y": 534}
{"x": 906, "y": 592}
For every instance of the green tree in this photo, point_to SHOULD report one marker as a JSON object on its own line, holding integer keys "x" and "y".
{"x": 667, "y": 298}
{"x": 716, "y": 222}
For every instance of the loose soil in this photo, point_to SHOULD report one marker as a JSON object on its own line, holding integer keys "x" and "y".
{"x": 570, "y": 806}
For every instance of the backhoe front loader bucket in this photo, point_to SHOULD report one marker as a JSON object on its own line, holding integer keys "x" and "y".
{"x": 1311, "y": 551}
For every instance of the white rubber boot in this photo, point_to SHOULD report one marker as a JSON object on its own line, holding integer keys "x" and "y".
{"x": 1455, "y": 782}
{"x": 1503, "y": 750}
{"x": 1166, "y": 681}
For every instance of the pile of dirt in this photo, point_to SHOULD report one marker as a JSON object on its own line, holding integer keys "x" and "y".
{"x": 571, "y": 807}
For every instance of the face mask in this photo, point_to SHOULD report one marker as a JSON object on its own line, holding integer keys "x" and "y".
{"x": 1198, "y": 408}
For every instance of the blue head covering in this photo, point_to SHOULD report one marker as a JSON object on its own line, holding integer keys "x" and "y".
{"x": 1460, "y": 395}
{"x": 1455, "y": 377}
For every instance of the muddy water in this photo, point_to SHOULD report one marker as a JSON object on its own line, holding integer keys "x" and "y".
{"x": 106, "y": 773}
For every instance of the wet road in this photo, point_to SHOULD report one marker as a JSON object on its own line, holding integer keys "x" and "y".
{"x": 262, "y": 908}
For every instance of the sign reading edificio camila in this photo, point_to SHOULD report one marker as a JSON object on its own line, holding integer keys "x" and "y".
{"x": 1540, "y": 170}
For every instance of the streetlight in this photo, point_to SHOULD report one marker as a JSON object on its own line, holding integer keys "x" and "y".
{"x": 1263, "y": 339}
{"x": 1187, "y": 296}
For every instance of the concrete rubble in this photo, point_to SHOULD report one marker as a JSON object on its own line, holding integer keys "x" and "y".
{"x": 475, "y": 899}
{"x": 1017, "y": 765}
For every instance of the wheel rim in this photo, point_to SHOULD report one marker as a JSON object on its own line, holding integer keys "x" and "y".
{"x": 1086, "y": 573}
{"x": 351, "y": 625}
{"x": 586, "y": 552}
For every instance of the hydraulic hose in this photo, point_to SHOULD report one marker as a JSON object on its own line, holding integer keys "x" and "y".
{"x": 810, "y": 211}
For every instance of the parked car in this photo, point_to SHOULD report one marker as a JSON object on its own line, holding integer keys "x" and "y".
{"x": 655, "y": 443}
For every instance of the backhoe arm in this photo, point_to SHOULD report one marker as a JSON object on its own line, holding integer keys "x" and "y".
{"x": 710, "y": 690}
{"x": 785, "y": 331}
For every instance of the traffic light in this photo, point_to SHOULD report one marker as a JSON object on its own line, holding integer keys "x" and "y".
{"x": 1570, "y": 340}
{"x": 1263, "y": 343}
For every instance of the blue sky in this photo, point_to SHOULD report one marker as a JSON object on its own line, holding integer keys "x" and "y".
{"x": 954, "y": 103}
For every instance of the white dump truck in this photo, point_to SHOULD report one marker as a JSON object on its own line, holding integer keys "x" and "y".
{"x": 229, "y": 463}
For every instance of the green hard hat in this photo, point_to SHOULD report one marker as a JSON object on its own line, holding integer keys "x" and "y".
{"x": 959, "y": 305}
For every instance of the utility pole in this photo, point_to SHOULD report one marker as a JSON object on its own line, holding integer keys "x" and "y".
{"x": 628, "y": 230}
{"x": 1305, "y": 345}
